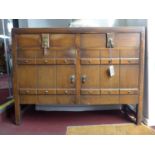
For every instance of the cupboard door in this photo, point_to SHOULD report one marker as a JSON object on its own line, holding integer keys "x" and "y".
{"x": 27, "y": 79}
{"x": 129, "y": 79}
{"x": 129, "y": 76}
{"x": 65, "y": 83}
{"x": 90, "y": 76}
{"x": 107, "y": 81}
{"x": 46, "y": 84}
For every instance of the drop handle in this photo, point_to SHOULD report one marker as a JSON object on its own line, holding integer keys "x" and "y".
{"x": 72, "y": 78}
{"x": 83, "y": 78}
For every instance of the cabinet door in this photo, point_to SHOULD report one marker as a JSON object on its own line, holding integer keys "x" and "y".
{"x": 65, "y": 83}
{"x": 27, "y": 80}
{"x": 129, "y": 81}
{"x": 46, "y": 84}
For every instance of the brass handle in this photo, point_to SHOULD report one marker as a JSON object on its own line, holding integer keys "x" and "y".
{"x": 72, "y": 78}
{"x": 83, "y": 78}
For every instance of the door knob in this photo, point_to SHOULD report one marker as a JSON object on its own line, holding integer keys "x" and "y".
{"x": 72, "y": 78}
{"x": 83, "y": 78}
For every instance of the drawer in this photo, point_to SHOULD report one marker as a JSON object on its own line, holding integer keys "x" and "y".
{"x": 128, "y": 91}
{"x": 26, "y": 61}
{"x": 45, "y": 61}
{"x": 65, "y": 61}
{"x": 46, "y": 91}
{"x": 29, "y": 40}
{"x": 28, "y": 91}
{"x": 109, "y": 91}
{"x": 28, "y": 99}
{"x": 65, "y": 99}
{"x": 62, "y": 40}
{"x": 90, "y": 61}
{"x": 129, "y": 61}
{"x": 110, "y": 61}
{"x": 92, "y": 40}
{"x": 65, "y": 91}
{"x": 90, "y": 91}
{"x": 99, "y": 99}
{"x": 128, "y": 99}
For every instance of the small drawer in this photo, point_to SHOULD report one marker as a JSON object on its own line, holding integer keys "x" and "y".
{"x": 110, "y": 61}
{"x": 27, "y": 91}
{"x": 85, "y": 61}
{"x": 90, "y": 92}
{"x": 46, "y": 91}
{"x": 26, "y": 61}
{"x": 128, "y": 91}
{"x": 65, "y": 61}
{"x": 65, "y": 91}
{"x": 45, "y": 61}
{"x": 109, "y": 91}
{"x": 129, "y": 60}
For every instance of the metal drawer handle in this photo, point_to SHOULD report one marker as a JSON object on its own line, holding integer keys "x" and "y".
{"x": 72, "y": 78}
{"x": 83, "y": 78}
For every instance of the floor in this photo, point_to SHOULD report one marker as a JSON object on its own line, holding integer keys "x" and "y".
{"x": 55, "y": 123}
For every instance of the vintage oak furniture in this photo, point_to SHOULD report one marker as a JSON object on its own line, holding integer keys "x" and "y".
{"x": 87, "y": 66}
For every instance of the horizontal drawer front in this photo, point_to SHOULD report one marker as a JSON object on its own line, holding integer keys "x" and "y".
{"x": 91, "y": 92}
{"x": 65, "y": 91}
{"x": 109, "y": 91}
{"x": 128, "y": 91}
{"x": 110, "y": 61}
{"x": 26, "y": 61}
{"x": 28, "y": 91}
{"x": 129, "y": 60}
{"x": 65, "y": 61}
{"x": 45, "y": 61}
{"x": 90, "y": 61}
{"x": 46, "y": 91}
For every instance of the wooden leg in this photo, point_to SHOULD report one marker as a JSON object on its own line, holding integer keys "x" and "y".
{"x": 17, "y": 114}
{"x": 139, "y": 115}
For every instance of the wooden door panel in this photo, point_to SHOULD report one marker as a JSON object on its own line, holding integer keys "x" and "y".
{"x": 46, "y": 76}
{"x": 129, "y": 76}
{"x": 93, "y": 40}
{"x": 106, "y": 81}
{"x": 27, "y": 76}
{"x": 62, "y": 40}
{"x": 91, "y": 74}
{"x": 64, "y": 75}
{"x": 28, "y": 40}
